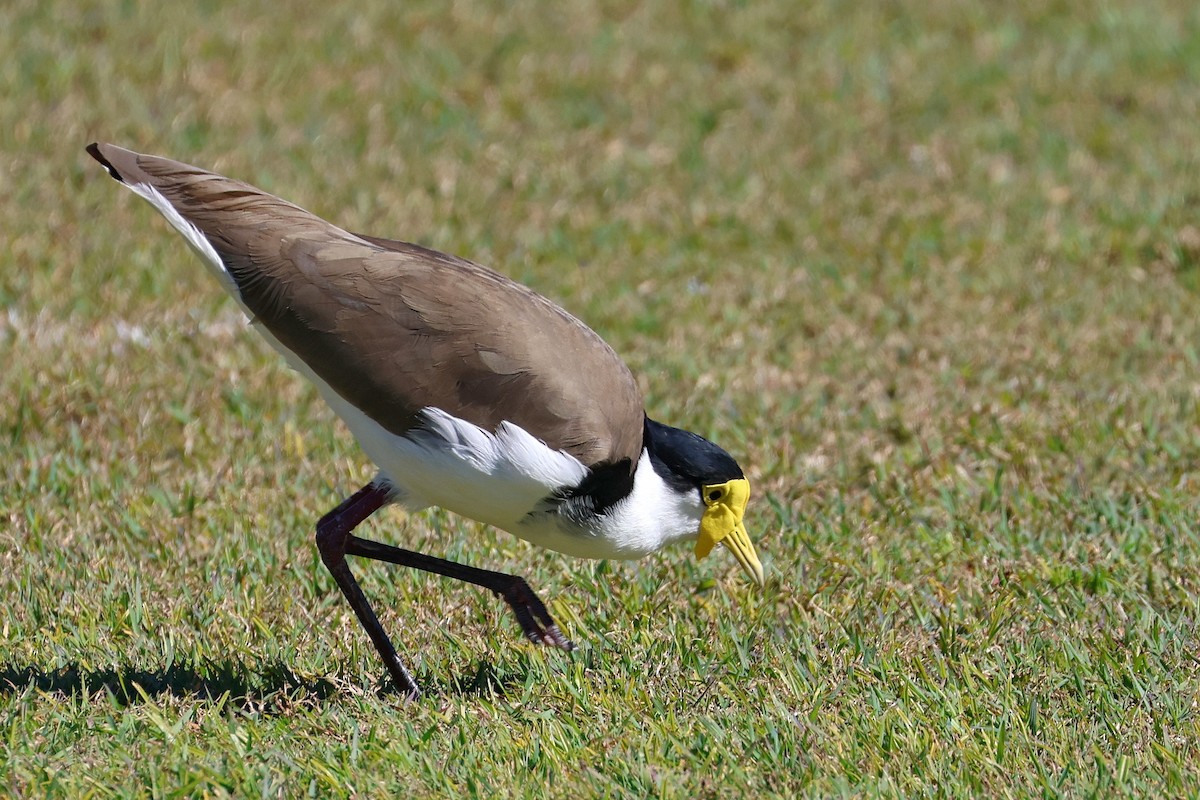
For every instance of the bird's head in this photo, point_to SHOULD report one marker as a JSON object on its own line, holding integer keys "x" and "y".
{"x": 694, "y": 464}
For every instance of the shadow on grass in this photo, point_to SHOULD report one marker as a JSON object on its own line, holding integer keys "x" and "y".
{"x": 261, "y": 690}
{"x": 128, "y": 685}
{"x": 485, "y": 681}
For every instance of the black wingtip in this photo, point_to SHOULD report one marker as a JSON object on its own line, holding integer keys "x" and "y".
{"x": 94, "y": 151}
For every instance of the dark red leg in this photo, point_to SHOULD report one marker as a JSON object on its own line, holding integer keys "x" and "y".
{"x": 530, "y": 611}
{"x": 333, "y": 534}
{"x": 335, "y": 541}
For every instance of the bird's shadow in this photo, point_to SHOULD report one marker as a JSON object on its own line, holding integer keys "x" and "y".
{"x": 264, "y": 689}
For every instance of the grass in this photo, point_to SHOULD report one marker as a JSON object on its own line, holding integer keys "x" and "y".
{"x": 931, "y": 273}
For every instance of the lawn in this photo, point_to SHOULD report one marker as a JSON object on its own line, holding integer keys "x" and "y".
{"x": 931, "y": 274}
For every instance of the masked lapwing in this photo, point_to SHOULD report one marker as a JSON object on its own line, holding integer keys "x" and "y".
{"x": 469, "y": 391}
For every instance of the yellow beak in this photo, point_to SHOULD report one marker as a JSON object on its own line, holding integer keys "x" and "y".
{"x": 722, "y": 524}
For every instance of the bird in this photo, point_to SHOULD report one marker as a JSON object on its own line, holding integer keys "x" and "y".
{"x": 469, "y": 392}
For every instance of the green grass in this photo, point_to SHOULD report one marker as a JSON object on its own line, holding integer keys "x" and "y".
{"x": 930, "y": 273}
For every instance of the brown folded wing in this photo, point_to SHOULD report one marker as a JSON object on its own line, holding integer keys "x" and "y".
{"x": 394, "y": 327}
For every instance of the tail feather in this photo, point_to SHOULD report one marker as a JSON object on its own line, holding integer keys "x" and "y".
{"x": 124, "y": 165}
{"x": 95, "y": 152}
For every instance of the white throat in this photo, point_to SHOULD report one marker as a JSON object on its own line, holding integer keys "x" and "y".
{"x": 653, "y": 515}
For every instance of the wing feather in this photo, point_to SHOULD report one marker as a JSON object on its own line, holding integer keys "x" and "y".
{"x": 395, "y": 327}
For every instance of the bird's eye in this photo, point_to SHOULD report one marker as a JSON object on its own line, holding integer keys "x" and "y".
{"x": 714, "y": 495}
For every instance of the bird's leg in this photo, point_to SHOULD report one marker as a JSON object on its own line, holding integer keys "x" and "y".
{"x": 333, "y": 538}
{"x": 530, "y": 611}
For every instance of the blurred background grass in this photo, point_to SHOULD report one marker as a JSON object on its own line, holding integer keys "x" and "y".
{"x": 928, "y": 271}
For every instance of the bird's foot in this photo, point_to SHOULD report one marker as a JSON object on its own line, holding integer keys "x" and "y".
{"x": 533, "y": 617}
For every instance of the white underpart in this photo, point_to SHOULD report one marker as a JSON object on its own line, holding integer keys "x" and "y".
{"x": 499, "y": 478}
{"x": 651, "y": 516}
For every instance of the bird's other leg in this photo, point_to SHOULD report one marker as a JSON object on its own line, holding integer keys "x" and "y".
{"x": 333, "y": 536}
{"x": 530, "y": 611}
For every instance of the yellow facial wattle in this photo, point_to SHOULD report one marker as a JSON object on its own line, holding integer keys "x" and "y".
{"x": 722, "y": 524}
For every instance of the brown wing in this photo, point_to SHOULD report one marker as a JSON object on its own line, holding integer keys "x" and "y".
{"x": 394, "y": 327}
